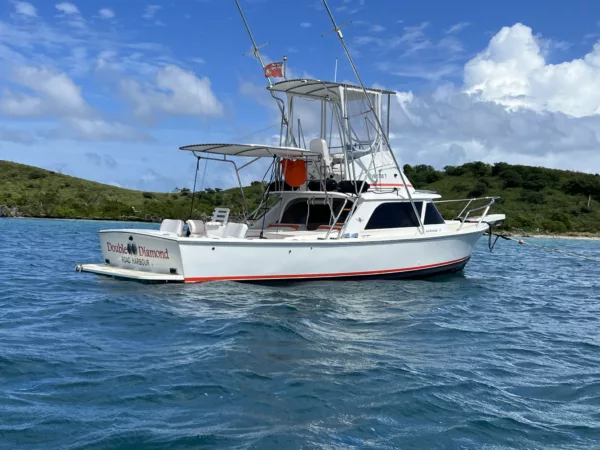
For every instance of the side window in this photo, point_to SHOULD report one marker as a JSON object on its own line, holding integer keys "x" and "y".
{"x": 394, "y": 215}
{"x": 432, "y": 215}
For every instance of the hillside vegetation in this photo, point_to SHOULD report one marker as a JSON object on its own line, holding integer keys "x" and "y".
{"x": 33, "y": 192}
{"x": 534, "y": 199}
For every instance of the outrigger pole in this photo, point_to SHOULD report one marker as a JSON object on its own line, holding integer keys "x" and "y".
{"x": 338, "y": 31}
{"x": 256, "y": 51}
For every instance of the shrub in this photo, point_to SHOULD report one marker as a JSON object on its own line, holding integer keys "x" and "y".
{"x": 36, "y": 174}
{"x": 536, "y": 198}
{"x": 480, "y": 189}
{"x": 511, "y": 179}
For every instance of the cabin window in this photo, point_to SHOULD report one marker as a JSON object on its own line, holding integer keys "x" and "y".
{"x": 432, "y": 215}
{"x": 394, "y": 215}
{"x": 299, "y": 212}
{"x": 295, "y": 213}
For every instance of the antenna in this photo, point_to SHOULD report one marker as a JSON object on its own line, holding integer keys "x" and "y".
{"x": 335, "y": 72}
{"x": 255, "y": 48}
{"x": 256, "y": 51}
{"x": 338, "y": 31}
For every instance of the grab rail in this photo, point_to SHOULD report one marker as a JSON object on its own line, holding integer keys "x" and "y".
{"x": 336, "y": 219}
{"x": 468, "y": 212}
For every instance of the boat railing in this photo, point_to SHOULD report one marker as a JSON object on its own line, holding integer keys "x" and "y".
{"x": 465, "y": 212}
{"x": 335, "y": 221}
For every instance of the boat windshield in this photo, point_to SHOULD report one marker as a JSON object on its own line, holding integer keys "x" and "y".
{"x": 315, "y": 215}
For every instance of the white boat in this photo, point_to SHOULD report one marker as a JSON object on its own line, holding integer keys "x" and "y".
{"x": 339, "y": 207}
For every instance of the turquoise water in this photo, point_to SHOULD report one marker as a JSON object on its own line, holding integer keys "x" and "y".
{"x": 504, "y": 355}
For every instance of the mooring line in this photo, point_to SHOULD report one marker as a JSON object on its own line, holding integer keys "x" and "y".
{"x": 523, "y": 242}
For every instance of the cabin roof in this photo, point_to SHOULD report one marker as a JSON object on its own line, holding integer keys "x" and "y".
{"x": 319, "y": 89}
{"x": 252, "y": 150}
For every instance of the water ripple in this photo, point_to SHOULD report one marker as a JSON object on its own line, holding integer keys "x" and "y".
{"x": 503, "y": 355}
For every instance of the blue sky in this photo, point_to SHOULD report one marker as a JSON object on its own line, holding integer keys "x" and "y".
{"x": 108, "y": 90}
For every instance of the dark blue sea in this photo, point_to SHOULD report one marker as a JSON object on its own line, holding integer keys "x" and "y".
{"x": 504, "y": 355}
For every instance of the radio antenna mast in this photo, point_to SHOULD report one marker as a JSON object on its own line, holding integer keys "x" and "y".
{"x": 338, "y": 31}
{"x": 255, "y": 48}
{"x": 256, "y": 51}
{"x": 335, "y": 71}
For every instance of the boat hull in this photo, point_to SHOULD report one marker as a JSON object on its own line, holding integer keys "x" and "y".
{"x": 202, "y": 260}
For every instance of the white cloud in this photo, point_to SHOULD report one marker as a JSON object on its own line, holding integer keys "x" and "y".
{"x": 174, "y": 92}
{"x": 451, "y": 127}
{"x": 71, "y": 15}
{"x": 259, "y": 94}
{"x": 513, "y": 106}
{"x": 377, "y": 28}
{"x": 150, "y": 11}
{"x": 67, "y": 8}
{"x": 457, "y": 27}
{"x": 96, "y": 129}
{"x": 512, "y": 71}
{"x": 56, "y": 94}
{"x": 16, "y": 104}
{"x": 106, "y": 13}
{"x": 413, "y": 39}
{"x": 306, "y": 24}
{"x": 25, "y": 8}
{"x": 16, "y": 136}
{"x": 198, "y": 60}
{"x": 152, "y": 180}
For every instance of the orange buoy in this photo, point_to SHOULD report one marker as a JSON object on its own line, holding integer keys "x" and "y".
{"x": 294, "y": 172}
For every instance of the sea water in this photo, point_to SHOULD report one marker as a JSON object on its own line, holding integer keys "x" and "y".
{"x": 503, "y": 355}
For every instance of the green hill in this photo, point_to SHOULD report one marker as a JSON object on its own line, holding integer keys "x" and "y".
{"x": 33, "y": 192}
{"x": 534, "y": 199}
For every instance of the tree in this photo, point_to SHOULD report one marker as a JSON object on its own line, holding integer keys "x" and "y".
{"x": 499, "y": 167}
{"x": 480, "y": 189}
{"x": 511, "y": 178}
{"x": 455, "y": 171}
{"x": 477, "y": 168}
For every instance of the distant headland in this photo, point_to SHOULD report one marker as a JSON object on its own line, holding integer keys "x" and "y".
{"x": 536, "y": 200}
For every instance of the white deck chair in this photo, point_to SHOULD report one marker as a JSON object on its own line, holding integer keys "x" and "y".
{"x": 174, "y": 226}
{"x": 197, "y": 227}
{"x": 236, "y": 230}
{"x": 215, "y": 229}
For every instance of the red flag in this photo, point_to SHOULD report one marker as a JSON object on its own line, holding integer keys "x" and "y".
{"x": 274, "y": 70}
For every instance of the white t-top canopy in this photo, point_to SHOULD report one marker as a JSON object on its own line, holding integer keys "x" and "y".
{"x": 320, "y": 89}
{"x": 253, "y": 150}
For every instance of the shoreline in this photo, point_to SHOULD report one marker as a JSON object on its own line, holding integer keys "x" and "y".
{"x": 572, "y": 235}
{"x": 578, "y": 237}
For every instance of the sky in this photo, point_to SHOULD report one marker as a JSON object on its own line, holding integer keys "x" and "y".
{"x": 109, "y": 90}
